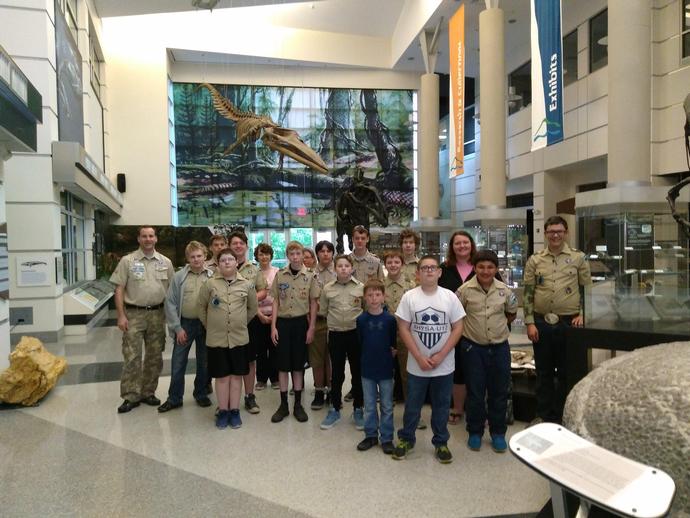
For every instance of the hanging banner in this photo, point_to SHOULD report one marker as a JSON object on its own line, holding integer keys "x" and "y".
{"x": 547, "y": 73}
{"x": 456, "y": 37}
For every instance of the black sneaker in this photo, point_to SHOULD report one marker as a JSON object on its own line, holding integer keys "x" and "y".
{"x": 280, "y": 414}
{"x": 250, "y": 404}
{"x": 443, "y": 455}
{"x": 318, "y": 402}
{"x": 349, "y": 397}
{"x": 167, "y": 406}
{"x": 387, "y": 447}
{"x": 402, "y": 449}
{"x": 300, "y": 414}
{"x": 204, "y": 402}
{"x": 151, "y": 400}
{"x": 126, "y": 406}
{"x": 367, "y": 443}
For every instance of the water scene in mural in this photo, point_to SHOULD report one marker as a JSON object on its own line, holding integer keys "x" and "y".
{"x": 272, "y": 177}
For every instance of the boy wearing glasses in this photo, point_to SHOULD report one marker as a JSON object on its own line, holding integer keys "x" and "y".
{"x": 430, "y": 325}
{"x": 554, "y": 287}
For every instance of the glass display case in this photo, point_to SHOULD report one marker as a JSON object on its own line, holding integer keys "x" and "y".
{"x": 510, "y": 244}
{"x": 639, "y": 264}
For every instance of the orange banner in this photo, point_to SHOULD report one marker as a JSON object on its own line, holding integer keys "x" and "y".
{"x": 456, "y": 37}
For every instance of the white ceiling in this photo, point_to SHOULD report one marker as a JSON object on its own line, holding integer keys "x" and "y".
{"x": 371, "y": 18}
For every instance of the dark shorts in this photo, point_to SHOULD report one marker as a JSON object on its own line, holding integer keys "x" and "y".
{"x": 228, "y": 361}
{"x": 291, "y": 351}
{"x": 255, "y": 338}
{"x": 458, "y": 375}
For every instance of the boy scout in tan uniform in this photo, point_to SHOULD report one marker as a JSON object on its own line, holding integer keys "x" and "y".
{"x": 342, "y": 300}
{"x": 365, "y": 264}
{"x": 554, "y": 281}
{"x": 489, "y": 306}
{"x": 142, "y": 280}
{"x": 409, "y": 243}
{"x": 318, "y": 350}
{"x": 295, "y": 293}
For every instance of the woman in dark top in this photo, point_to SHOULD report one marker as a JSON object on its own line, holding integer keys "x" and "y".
{"x": 455, "y": 270}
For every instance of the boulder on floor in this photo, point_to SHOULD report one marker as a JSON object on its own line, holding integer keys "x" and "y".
{"x": 638, "y": 405}
{"x": 32, "y": 373}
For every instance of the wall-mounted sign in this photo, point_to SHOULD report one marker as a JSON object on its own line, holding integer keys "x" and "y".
{"x": 34, "y": 270}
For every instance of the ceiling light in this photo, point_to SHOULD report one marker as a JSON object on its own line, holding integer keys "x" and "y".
{"x": 411, "y": 58}
{"x": 603, "y": 41}
{"x": 205, "y": 4}
{"x": 512, "y": 20}
{"x": 513, "y": 96}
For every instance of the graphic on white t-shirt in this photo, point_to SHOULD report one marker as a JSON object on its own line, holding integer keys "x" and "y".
{"x": 430, "y": 324}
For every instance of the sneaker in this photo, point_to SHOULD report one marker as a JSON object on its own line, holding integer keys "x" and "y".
{"x": 235, "y": 419}
{"x": 498, "y": 443}
{"x": 367, "y": 443}
{"x": 318, "y": 402}
{"x": 300, "y": 414}
{"x": 421, "y": 425}
{"x": 275, "y": 385}
{"x": 168, "y": 405}
{"x": 387, "y": 447}
{"x": 203, "y": 402}
{"x": 443, "y": 454}
{"x": 250, "y": 404}
{"x": 349, "y": 397}
{"x": 358, "y": 418}
{"x": 260, "y": 385}
{"x": 280, "y": 414}
{"x": 402, "y": 449}
{"x": 474, "y": 442}
{"x": 331, "y": 419}
{"x": 222, "y": 419}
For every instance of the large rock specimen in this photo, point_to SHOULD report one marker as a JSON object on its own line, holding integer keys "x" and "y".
{"x": 638, "y": 405}
{"x": 33, "y": 371}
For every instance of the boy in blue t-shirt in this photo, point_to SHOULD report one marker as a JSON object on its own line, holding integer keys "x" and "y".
{"x": 377, "y": 333}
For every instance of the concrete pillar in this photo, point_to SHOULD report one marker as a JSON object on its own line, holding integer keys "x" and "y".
{"x": 428, "y": 147}
{"x": 492, "y": 108}
{"x": 630, "y": 76}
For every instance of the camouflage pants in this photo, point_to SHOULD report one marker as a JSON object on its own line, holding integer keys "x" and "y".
{"x": 147, "y": 328}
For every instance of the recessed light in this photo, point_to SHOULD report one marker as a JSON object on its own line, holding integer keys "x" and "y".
{"x": 512, "y": 20}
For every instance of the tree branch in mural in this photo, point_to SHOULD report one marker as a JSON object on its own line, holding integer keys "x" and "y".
{"x": 250, "y": 126}
{"x": 356, "y": 206}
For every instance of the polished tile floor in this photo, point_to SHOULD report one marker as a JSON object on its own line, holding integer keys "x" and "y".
{"x": 73, "y": 455}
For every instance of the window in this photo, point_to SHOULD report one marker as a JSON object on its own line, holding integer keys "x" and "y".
{"x": 69, "y": 10}
{"x": 95, "y": 60}
{"x": 520, "y": 88}
{"x": 598, "y": 41}
{"x": 570, "y": 58}
{"x": 685, "y": 29}
{"x": 73, "y": 239}
{"x": 172, "y": 163}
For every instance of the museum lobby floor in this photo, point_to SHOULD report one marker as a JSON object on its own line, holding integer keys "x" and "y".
{"x": 74, "y": 455}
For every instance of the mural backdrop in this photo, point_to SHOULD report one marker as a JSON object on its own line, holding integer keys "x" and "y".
{"x": 365, "y": 137}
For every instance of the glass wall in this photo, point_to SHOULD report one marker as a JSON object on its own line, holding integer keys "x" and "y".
{"x": 598, "y": 41}
{"x": 73, "y": 239}
{"x": 570, "y": 58}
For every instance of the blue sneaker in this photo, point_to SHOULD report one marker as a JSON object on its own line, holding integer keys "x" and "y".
{"x": 331, "y": 419}
{"x": 498, "y": 443}
{"x": 235, "y": 419}
{"x": 474, "y": 442}
{"x": 222, "y": 419}
{"x": 358, "y": 418}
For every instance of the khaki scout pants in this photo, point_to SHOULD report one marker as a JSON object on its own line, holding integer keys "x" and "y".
{"x": 147, "y": 327}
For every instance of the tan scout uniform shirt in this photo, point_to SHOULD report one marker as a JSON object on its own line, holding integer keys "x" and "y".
{"x": 145, "y": 280}
{"x": 395, "y": 291}
{"x": 225, "y": 309}
{"x": 368, "y": 267}
{"x": 556, "y": 280}
{"x": 485, "y": 320}
{"x": 342, "y": 304}
{"x": 253, "y": 274}
{"x": 294, "y": 292}
{"x": 409, "y": 269}
{"x": 323, "y": 277}
{"x": 211, "y": 264}
{"x": 190, "y": 299}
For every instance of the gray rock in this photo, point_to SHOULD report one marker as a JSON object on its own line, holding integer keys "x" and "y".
{"x": 638, "y": 405}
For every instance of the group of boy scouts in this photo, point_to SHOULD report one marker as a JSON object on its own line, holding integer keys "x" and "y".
{"x": 345, "y": 310}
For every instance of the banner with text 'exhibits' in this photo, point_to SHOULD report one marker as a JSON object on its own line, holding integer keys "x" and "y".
{"x": 456, "y": 36}
{"x": 547, "y": 73}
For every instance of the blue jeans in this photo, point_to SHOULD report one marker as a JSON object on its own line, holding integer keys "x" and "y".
{"x": 371, "y": 416}
{"x": 487, "y": 377}
{"x": 197, "y": 334}
{"x": 440, "y": 389}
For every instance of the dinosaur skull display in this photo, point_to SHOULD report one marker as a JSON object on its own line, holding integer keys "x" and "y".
{"x": 287, "y": 142}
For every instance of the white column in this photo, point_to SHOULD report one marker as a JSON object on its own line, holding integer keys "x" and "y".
{"x": 492, "y": 107}
{"x": 4, "y": 304}
{"x": 629, "y": 75}
{"x": 428, "y": 147}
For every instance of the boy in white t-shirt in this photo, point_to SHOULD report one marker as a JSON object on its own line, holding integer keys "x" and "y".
{"x": 430, "y": 325}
